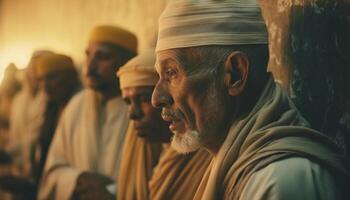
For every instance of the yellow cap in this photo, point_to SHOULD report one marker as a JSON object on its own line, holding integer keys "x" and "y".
{"x": 54, "y": 63}
{"x": 114, "y": 35}
{"x": 139, "y": 71}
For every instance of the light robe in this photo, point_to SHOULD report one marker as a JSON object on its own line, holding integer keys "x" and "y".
{"x": 26, "y": 119}
{"x": 89, "y": 137}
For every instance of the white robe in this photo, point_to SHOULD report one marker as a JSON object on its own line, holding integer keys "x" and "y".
{"x": 290, "y": 179}
{"x": 89, "y": 137}
{"x": 26, "y": 119}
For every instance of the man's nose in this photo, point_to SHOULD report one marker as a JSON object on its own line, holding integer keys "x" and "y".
{"x": 90, "y": 66}
{"x": 160, "y": 96}
{"x": 135, "y": 112}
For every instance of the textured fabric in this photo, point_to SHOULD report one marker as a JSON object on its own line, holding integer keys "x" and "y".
{"x": 272, "y": 131}
{"x": 136, "y": 167}
{"x": 189, "y": 23}
{"x": 54, "y": 63}
{"x": 177, "y": 176}
{"x": 276, "y": 182}
{"x": 139, "y": 71}
{"x": 114, "y": 35}
{"x": 26, "y": 119}
{"x": 89, "y": 137}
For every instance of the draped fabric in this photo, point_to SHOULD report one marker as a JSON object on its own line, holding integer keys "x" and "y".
{"x": 89, "y": 137}
{"x": 177, "y": 176}
{"x": 26, "y": 119}
{"x": 272, "y": 131}
{"x": 136, "y": 167}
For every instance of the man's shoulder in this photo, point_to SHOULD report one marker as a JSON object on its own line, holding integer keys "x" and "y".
{"x": 77, "y": 100}
{"x": 292, "y": 178}
{"x": 74, "y": 106}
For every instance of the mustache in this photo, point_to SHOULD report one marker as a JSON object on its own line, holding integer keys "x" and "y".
{"x": 174, "y": 115}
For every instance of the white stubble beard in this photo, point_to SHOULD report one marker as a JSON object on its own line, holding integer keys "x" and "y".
{"x": 187, "y": 142}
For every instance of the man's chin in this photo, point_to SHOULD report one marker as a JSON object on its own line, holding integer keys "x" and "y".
{"x": 185, "y": 143}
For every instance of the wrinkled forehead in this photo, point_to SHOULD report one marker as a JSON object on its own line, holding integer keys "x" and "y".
{"x": 168, "y": 58}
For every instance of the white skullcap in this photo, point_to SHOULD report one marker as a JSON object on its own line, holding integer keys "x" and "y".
{"x": 190, "y": 23}
{"x": 139, "y": 71}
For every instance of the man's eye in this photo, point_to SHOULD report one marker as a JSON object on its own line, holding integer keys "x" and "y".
{"x": 171, "y": 73}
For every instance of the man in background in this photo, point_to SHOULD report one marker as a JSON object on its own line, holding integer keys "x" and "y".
{"x": 27, "y": 116}
{"x": 58, "y": 79}
{"x": 147, "y": 171}
{"x": 84, "y": 156}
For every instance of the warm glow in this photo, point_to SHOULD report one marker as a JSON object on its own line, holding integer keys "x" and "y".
{"x": 17, "y": 54}
{"x": 21, "y": 53}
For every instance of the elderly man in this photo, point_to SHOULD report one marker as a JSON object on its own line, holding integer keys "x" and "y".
{"x": 176, "y": 176}
{"x": 215, "y": 92}
{"x": 83, "y": 159}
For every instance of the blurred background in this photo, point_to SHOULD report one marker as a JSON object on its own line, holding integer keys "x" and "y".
{"x": 63, "y": 25}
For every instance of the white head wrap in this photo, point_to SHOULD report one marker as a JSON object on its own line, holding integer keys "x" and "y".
{"x": 189, "y": 23}
{"x": 139, "y": 71}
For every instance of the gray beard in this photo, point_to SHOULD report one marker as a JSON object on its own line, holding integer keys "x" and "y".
{"x": 186, "y": 143}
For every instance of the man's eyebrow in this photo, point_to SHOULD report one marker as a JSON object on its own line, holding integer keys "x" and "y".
{"x": 161, "y": 62}
{"x": 168, "y": 61}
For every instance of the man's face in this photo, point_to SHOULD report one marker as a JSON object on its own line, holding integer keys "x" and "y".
{"x": 102, "y": 63}
{"x": 56, "y": 85}
{"x": 147, "y": 119}
{"x": 192, "y": 101}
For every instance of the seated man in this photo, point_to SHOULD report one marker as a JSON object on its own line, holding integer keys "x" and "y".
{"x": 176, "y": 176}
{"x": 27, "y": 116}
{"x": 58, "y": 79}
{"x": 85, "y": 152}
{"x": 215, "y": 91}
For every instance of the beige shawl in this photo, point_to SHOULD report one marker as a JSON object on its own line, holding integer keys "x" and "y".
{"x": 177, "y": 176}
{"x": 273, "y": 130}
{"x": 136, "y": 167}
{"x": 89, "y": 137}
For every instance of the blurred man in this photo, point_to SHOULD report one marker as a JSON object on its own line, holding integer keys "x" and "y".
{"x": 58, "y": 79}
{"x": 176, "y": 176}
{"x": 216, "y": 93}
{"x": 27, "y": 116}
{"x": 8, "y": 89}
{"x": 84, "y": 155}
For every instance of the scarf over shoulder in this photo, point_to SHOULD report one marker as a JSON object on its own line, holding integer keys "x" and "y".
{"x": 177, "y": 176}
{"x": 271, "y": 132}
{"x": 138, "y": 160}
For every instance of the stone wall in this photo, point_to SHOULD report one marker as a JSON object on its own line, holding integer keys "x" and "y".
{"x": 309, "y": 55}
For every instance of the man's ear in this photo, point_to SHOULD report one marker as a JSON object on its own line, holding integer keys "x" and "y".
{"x": 236, "y": 72}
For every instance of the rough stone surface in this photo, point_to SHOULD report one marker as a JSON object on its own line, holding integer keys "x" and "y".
{"x": 310, "y": 56}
